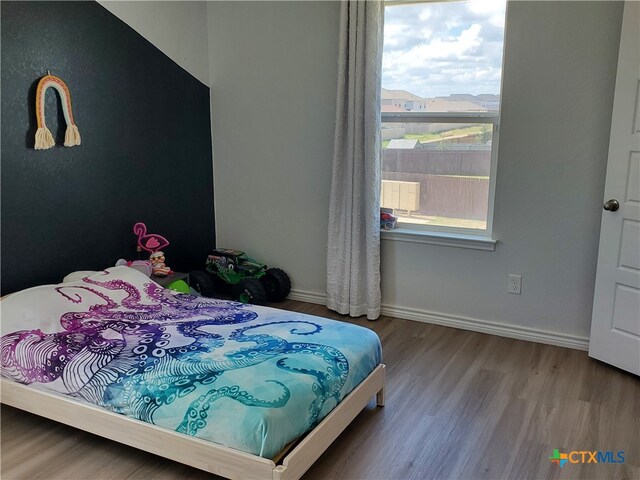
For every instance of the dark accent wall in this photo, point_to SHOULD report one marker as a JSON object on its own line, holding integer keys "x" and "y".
{"x": 145, "y": 153}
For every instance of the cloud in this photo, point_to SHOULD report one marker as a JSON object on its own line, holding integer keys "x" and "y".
{"x": 443, "y": 48}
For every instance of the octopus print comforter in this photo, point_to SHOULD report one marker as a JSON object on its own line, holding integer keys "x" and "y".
{"x": 248, "y": 377}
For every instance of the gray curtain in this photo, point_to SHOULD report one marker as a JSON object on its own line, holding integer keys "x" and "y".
{"x": 353, "y": 257}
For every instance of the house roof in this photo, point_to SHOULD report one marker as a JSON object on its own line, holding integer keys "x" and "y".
{"x": 403, "y": 143}
{"x": 399, "y": 95}
{"x": 452, "y": 103}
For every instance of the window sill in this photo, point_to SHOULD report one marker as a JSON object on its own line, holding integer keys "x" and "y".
{"x": 448, "y": 239}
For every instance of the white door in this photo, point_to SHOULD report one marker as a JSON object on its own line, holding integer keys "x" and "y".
{"x": 615, "y": 326}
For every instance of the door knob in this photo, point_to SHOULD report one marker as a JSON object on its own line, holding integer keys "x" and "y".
{"x": 611, "y": 205}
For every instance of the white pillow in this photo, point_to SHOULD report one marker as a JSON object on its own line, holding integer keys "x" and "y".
{"x": 79, "y": 275}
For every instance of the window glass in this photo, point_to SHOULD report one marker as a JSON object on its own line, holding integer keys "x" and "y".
{"x": 441, "y": 59}
{"x": 437, "y": 174}
{"x": 446, "y": 56}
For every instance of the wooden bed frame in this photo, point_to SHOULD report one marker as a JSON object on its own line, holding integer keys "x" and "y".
{"x": 198, "y": 453}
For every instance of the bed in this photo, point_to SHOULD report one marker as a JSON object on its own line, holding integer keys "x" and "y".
{"x": 238, "y": 390}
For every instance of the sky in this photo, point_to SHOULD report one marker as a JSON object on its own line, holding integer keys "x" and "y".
{"x": 437, "y": 49}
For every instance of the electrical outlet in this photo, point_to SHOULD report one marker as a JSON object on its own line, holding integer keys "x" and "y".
{"x": 514, "y": 284}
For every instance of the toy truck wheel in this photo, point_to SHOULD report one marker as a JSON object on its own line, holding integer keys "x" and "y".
{"x": 276, "y": 284}
{"x": 202, "y": 283}
{"x": 250, "y": 290}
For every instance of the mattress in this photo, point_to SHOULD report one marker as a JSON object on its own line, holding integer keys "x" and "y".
{"x": 248, "y": 377}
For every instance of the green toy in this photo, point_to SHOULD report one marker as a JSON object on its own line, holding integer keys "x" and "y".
{"x": 248, "y": 280}
{"x": 179, "y": 286}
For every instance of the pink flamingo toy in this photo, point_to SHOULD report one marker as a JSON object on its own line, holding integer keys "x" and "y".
{"x": 153, "y": 243}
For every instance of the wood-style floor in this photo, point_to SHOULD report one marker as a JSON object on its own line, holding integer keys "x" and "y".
{"x": 458, "y": 405}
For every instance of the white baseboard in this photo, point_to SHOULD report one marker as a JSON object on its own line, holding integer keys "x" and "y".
{"x": 308, "y": 297}
{"x": 465, "y": 323}
{"x": 487, "y": 326}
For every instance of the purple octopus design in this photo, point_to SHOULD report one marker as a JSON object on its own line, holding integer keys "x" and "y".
{"x": 133, "y": 357}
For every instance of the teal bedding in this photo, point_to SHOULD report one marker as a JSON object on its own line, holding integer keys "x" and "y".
{"x": 247, "y": 377}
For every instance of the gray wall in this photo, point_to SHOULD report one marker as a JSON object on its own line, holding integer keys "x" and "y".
{"x": 273, "y": 75}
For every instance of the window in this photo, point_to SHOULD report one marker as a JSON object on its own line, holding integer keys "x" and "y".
{"x": 440, "y": 103}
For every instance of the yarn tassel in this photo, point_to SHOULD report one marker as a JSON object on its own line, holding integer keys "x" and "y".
{"x": 71, "y": 136}
{"x": 44, "y": 139}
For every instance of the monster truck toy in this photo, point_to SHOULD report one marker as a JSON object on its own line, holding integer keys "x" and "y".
{"x": 248, "y": 280}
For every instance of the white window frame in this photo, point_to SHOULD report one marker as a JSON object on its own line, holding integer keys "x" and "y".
{"x": 443, "y": 235}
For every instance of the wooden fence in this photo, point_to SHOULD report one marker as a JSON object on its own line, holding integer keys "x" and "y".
{"x": 437, "y": 162}
{"x": 447, "y": 195}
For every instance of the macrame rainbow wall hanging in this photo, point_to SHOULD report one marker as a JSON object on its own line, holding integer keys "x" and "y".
{"x": 44, "y": 138}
